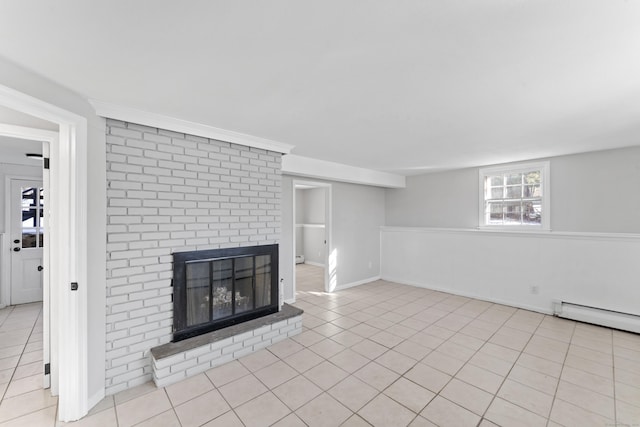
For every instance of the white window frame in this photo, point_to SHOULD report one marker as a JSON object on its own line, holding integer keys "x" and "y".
{"x": 544, "y": 168}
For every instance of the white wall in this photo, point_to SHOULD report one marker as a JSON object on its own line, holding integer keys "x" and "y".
{"x": 589, "y": 258}
{"x": 29, "y": 83}
{"x": 588, "y": 269}
{"x": 357, "y": 213}
{"x": 314, "y": 205}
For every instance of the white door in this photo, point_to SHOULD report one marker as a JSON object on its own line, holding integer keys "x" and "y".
{"x": 27, "y": 238}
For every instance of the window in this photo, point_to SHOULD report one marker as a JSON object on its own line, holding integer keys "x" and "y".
{"x": 515, "y": 196}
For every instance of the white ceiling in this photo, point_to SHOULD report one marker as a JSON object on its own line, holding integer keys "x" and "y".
{"x": 14, "y": 150}
{"x": 402, "y": 86}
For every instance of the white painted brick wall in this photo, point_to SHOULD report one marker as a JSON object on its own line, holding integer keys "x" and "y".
{"x": 176, "y": 368}
{"x": 170, "y": 192}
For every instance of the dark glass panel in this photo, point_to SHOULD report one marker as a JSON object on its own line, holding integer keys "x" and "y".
{"x": 197, "y": 293}
{"x": 263, "y": 280}
{"x": 222, "y": 288}
{"x": 244, "y": 284}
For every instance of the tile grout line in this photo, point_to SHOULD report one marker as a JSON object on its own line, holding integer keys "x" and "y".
{"x": 555, "y": 393}
{"x": 510, "y": 369}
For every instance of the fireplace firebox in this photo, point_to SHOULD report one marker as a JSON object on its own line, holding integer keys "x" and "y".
{"x": 213, "y": 289}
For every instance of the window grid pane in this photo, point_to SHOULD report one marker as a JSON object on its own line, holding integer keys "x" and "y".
{"x": 513, "y": 198}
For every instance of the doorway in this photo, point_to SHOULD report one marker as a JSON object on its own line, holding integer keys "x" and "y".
{"x": 312, "y": 236}
{"x": 26, "y": 233}
{"x": 66, "y": 266}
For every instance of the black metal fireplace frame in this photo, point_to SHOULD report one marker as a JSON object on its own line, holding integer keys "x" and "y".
{"x": 180, "y": 259}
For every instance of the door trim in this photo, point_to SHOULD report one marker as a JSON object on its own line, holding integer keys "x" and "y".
{"x": 68, "y": 261}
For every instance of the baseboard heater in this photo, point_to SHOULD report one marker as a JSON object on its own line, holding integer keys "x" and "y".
{"x": 597, "y": 316}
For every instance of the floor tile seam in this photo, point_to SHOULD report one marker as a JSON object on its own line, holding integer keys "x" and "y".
{"x": 29, "y": 413}
{"x": 400, "y": 403}
{"x": 588, "y": 373}
{"x": 453, "y": 403}
{"x": 533, "y": 388}
{"x": 25, "y": 392}
{"x": 590, "y": 411}
{"x": 592, "y": 349}
{"x": 592, "y": 372}
{"x": 615, "y": 401}
{"x": 555, "y": 393}
{"x": 573, "y": 348}
{"x": 626, "y": 358}
{"x": 27, "y": 343}
{"x": 504, "y": 378}
{"x": 193, "y": 397}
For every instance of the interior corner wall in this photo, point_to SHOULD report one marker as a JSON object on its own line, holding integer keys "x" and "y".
{"x": 357, "y": 213}
{"x": 27, "y": 82}
{"x": 588, "y": 258}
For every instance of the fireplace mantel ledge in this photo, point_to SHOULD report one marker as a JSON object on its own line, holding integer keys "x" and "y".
{"x": 173, "y": 348}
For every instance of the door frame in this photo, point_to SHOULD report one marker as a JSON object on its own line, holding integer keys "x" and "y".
{"x": 50, "y": 380}
{"x": 329, "y": 261}
{"x": 69, "y": 246}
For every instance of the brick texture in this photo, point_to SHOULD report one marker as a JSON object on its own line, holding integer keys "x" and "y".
{"x": 183, "y": 365}
{"x": 169, "y": 192}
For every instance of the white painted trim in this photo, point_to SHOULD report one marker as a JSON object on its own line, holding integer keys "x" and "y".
{"x": 69, "y": 257}
{"x": 358, "y": 283}
{"x": 291, "y": 300}
{"x": 315, "y": 264}
{"x": 132, "y": 115}
{"x": 96, "y": 398}
{"x": 321, "y": 169}
{"x": 519, "y": 233}
{"x": 467, "y": 294}
{"x": 545, "y": 169}
{"x": 22, "y": 132}
{"x": 598, "y": 316}
{"x": 310, "y": 226}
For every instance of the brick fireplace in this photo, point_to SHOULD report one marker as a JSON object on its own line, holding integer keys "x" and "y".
{"x": 169, "y": 192}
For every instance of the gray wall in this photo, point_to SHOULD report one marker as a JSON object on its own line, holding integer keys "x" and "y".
{"x": 314, "y": 201}
{"x": 357, "y": 215}
{"x": 300, "y": 205}
{"x": 590, "y": 192}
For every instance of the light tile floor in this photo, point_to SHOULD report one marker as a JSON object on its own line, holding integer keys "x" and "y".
{"x": 309, "y": 278}
{"x": 22, "y": 398}
{"x": 385, "y": 354}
